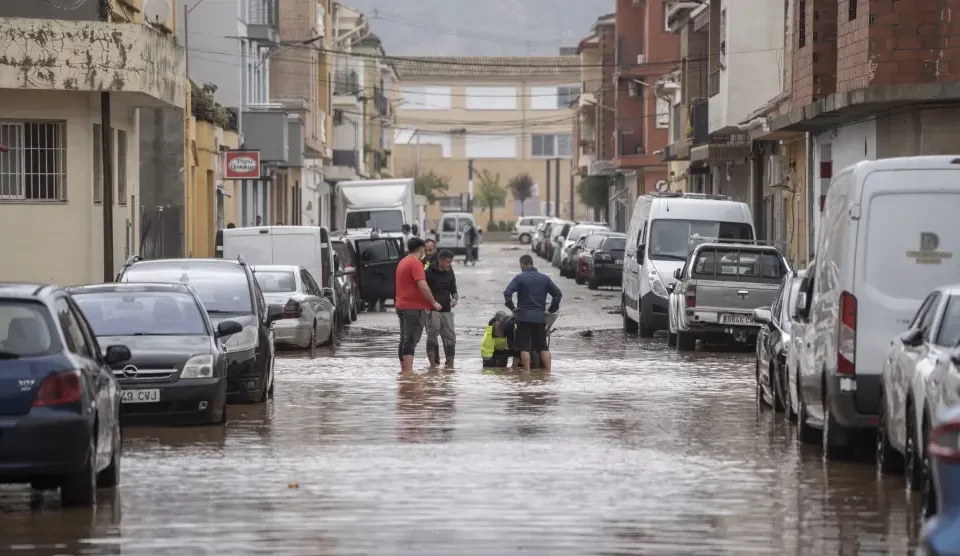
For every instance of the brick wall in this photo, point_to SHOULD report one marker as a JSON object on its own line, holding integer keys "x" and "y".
{"x": 814, "y": 70}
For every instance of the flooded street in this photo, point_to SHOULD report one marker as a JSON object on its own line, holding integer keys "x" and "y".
{"x": 627, "y": 448}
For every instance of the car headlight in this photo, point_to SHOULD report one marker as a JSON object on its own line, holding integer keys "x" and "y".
{"x": 198, "y": 366}
{"x": 656, "y": 284}
{"x": 242, "y": 341}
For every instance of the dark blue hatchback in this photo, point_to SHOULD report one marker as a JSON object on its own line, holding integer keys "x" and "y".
{"x": 59, "y": 401}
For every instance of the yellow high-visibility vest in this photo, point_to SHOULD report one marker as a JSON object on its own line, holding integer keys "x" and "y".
{"x": 489, "y": 344}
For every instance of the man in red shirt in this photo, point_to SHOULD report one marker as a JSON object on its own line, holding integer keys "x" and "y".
{"x": 413, "y": 301}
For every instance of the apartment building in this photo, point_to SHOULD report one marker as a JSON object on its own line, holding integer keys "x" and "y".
{"x": 348, "y": 79}
{"x": 61, "y": 177}
{"x": 378, "y": 96}
{"x": 461, "y": 116}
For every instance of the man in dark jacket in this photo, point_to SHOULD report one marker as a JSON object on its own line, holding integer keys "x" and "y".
{"x": 443, "y": 285}
{"x": 532, "y": 288}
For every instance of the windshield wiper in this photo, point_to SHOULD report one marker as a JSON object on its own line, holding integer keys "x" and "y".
{"x": 9, "y": 355}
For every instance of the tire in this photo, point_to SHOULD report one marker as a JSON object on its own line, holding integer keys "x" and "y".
{"x": 643, "y": 329}
{"x": 889, "y": 460}
{"x": 525, "y": 239}
{"x": 581, "y": 280}
{"x": 313, "y": 341}
{"x": 805, "y": 433}
{"x": 831, "y": 450}
{"x": 110, "y": 477}
{"x": 629, "y": 325}
{"x": 593, "y": 284}
{"x": 779, "y": 398}
{"x": 686, "y": 341}
{"x": 80, "y": 489}
{"x": 913, "y": 464}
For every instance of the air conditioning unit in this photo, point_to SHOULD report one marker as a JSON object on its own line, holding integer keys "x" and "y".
{"x": 633, "y": 88}
{"x": 641, "y": 59}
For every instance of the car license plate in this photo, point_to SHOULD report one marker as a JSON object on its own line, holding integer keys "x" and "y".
{"x": 737, "y": 319}
{"x": 140, "y": 396}
{"x": 618, "y": 261}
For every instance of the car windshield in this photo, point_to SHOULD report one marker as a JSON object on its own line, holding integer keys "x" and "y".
{"x": 594, "y": 241}
{"x": 223, "y": 288}
{"x": 949, "y": 334}
{"x": 276, "y": 281}
{"x": 124, "y": 313}
{"x": 577, "y": 232}
{"x": 671, "y": 239}
{"x": 26, "y": 330}
{"x": 384, "y": 220}
{"x": 615, "y": 244}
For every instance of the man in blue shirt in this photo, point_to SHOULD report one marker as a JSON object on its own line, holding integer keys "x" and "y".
{"x": 532, "y": 287}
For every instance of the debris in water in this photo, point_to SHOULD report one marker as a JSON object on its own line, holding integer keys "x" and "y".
{"x": 293, "y": 485}
{"x": 586, "y": 333}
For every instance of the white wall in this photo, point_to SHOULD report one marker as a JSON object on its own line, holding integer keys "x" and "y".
{"x": 411, "y": 137}
{"x": 491, "y": 98}
{"x": 310, "y": 193}
{"x": 491, "y": 146}
{"x": 426, "y": 97}
{"x": 62, "y": 242}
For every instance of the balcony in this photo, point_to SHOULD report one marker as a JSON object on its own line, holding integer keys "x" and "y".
{"x": 632, "y": 153}
{"x": 132, "y": 59}
{"x": 263, "y": 21}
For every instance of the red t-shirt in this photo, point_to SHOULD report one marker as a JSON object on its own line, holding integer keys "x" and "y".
{"x": 408, "y": 295}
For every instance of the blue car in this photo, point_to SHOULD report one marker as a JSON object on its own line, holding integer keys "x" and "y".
{"x": 59, "y": 401}
{"x": 941, "y": 533}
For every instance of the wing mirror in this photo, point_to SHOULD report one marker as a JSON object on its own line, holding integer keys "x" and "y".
{"x": 671, "y": 287}
{"x": 117, "y": 354}
{"x": 274, "y": 313}
{"x": 228, "y": 328}
{"x": 912, "y": 337}
{"x": 762, "y": 315}
{"x": 678, "y": 273}
{"x": 328, "y": 293}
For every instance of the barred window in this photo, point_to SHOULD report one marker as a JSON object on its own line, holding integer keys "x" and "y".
{"x": 34, "y": 167}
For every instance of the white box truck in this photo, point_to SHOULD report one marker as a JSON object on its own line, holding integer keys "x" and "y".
{"x": 382, "y": 204}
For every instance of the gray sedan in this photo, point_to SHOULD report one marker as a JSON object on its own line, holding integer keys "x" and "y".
{"x": 308, "y": 310}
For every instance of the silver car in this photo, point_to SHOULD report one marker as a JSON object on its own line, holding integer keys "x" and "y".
{"x": 919, "y": 378}
{"x": 308, "y": 311}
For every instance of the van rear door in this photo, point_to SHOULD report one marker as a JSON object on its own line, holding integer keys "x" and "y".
{"x": 907, "y": 245}
{"x": 378, "y": 267}
{"x": 300, "y": 247}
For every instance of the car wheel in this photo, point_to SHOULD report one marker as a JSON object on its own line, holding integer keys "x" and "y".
{"x": 912, "y": 456}
{"x": 525, "y": 239}
{"x": 592, "y": 284}
{"x": 832, "y": 450}
{"x": 805, "y": 433}
{"x": 80, "y": 488}
{"x": 581, "y": 280}
{"x": 889, "y": 460}
{"x": 629, "y": 325}
{"x": 110, "y": 477}
{"x": 313, "y": 341}
{"x": 778, "y": 393}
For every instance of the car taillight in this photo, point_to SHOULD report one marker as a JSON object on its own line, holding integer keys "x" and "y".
{"x": 945, "y": 441}
{"x": 292, "y": 310}
{"x": 59, "y": 389}
{"x": 691, "y": 296}
{"x": 847, "y": 335}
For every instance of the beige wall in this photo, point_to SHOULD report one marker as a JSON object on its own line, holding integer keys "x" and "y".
{"x": 61, "y": 242}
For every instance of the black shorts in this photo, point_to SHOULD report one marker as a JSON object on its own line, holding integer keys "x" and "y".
{"x": 531, "y": 336}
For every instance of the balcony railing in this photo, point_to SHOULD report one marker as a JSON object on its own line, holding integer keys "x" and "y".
{"x": 714, "y": 84}
{"x": 263, "y": 12}
{"x": 346, "y": 158}
{"x": 630, "y": 144}
{"x": 700, "y": 122}
{"x": 346, "y": 82}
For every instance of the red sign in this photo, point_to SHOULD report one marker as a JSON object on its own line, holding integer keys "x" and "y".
{"x": 242, "y": 165}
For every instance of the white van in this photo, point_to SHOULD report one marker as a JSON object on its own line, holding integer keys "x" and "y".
{"x": 888, "y": 236}
{"x": 453, "y": 226}
{"x": 658, "y": 243}
{"x": 306, "y": 246}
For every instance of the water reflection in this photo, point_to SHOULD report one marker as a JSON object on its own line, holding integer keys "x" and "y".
{"x": 23, "y": 513}
{"x": 426, "y": 405}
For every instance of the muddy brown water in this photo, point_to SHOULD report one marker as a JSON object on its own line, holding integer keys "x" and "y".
{"x": 626, "y": 448}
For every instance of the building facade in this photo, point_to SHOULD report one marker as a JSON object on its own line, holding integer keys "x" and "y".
{"x": 61, "y": 176}
{"x": 465, "y": 118}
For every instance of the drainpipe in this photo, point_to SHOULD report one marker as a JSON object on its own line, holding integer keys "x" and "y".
{"x": 107, "y": 154}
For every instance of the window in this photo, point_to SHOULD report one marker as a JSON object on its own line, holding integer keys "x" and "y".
{"x": 949, "y": 334}
{"x": 663, "y": 113}
{"x": 221, "y": 289}
{"x": 491, "y": 98}
{"x": 673, "y": 240}
{"x": 25, "y": 329}
{"x": 76, "y": 342}
{"x": 739, "y": 265}
{"x": 276, "y": 281}
{"x": 449, "y": 224}
{"x": 553, "y": 98}
{"x": 852, "y": 10}
{"x": 927, "y": 320}
{"x": 425, "y": 98}
{"x": 491, "y": 146}
{"x": 121, "y": 167}
{"x": 35, "y": 166}
{"x": 97, "y": 164}
{"x": 802, "y": 24}
{"x": 121, "y": 313}
{"x": 549, "y": 146}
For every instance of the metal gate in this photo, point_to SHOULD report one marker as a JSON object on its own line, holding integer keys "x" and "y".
{"x": 161, "y": 232}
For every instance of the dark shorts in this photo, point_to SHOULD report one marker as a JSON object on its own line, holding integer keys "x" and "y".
{"x": 412, "y": 322}
{"x": 531, "y": 336}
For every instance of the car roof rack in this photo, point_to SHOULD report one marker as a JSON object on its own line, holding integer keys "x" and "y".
{"x": 687, "y": 195}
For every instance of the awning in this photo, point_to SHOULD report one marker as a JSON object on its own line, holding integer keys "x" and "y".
{"x": 222, "y": 191}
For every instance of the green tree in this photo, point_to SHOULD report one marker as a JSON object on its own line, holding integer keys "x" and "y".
{"x": 521, "y": 186}
{"x": 592, "y": 191}
{"x": 431, "y": 185}
{"x": 490, "y": 194}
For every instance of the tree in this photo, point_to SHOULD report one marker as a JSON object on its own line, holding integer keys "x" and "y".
{"x": 430, "y": 184}
{"x": 490, "y": 193}
{"x": 592, "y": 191}
{"x": 521, "y": 186}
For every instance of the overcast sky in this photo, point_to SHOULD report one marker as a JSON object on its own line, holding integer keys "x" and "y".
{"x": 480, "y": 27}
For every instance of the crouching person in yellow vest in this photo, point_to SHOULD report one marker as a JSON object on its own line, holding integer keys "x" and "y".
{"x": 496, "y": 347}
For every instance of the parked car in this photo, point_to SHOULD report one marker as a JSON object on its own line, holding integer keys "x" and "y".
{"x": 343, "y": 286}
{"x": 59, "y": 401}
{"x": 452, "y": 232}
{"x": 524, "y": 228}
{"x": 888, "y": 235}
{"x": 555, "y": 246}
{"x": 540, "y": 235}
{"x": 309, "y": 316}
{"x": 590, "y": 244}
{"x": 658, "y": 244}
{"x": 229, "y": 291}
{"x": 939, "y": 536}
{"x": 568, "y": 258}
{"x": 351, "y": 264}
{"x": 774, "y": 342}
{"x": 177, "y": 372}
{"x": 380, "y": 253}
{"x": 717, "y": 290}
{"x": 605, "y": 265}
{"x": 917, "y": 382}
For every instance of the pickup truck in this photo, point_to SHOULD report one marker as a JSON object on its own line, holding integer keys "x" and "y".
{"x": 717, "y": 290}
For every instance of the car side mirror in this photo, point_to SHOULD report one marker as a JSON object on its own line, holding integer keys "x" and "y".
{"x": 671, "y": 287}
{"x": 678, "y": 273}
{"x": 228, "y": 328}
{"x": 274, "y": 313}
{"x": 117, "y": 354}
{"x": 912, "y": 337}
{"x": 761, "y": 315}
{"x": 327, "y": 293}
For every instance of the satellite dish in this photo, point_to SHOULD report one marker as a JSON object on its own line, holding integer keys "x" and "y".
{"x": 660, "y": 186}
{"x": 156, "y": 11}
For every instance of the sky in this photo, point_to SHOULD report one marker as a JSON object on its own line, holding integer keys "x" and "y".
{"x": 480, "y": 27}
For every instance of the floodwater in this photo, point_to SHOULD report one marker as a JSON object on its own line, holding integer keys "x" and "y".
{"x": 627, "y": 448}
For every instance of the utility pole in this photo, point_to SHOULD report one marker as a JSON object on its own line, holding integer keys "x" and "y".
{"x": 186, "y": 34}
{"x": 470, "y": 185}
{"x": 549, "y": 187}
{"x": 106, "y": 130}
{"x": 556, "y": 199}
{"x": 572, "y": 192}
